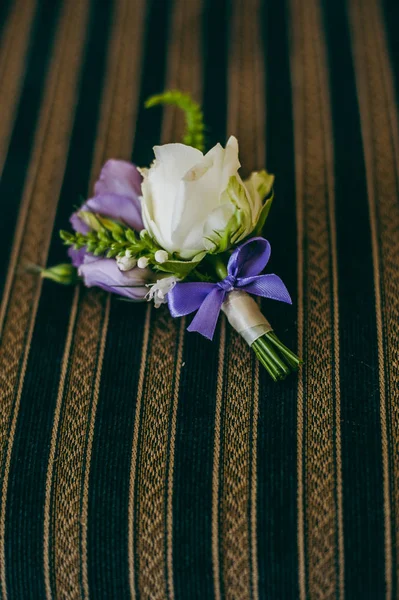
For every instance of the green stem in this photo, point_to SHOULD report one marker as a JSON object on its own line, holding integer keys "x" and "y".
{"x": 194, "y": 135}
{"x": 219, "y": 266}
{"x": 277, "y": 359}
{"x": 63, "y": 273}
{"x": 271, "y": 351}
{"x": 266, "y": 362}
{"x": 293, "y": 360}
{"x": 196, "y": 275}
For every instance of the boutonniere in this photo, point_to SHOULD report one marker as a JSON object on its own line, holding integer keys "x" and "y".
{"x": 187, "y": 231}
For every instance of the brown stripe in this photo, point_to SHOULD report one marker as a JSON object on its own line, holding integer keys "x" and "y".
{"x": 13, "y": 50}
{"x": 246, "y": 72}
{"x": 34, "y": 228}
{"x": 82, "y": 362}
{"x": 320, "y": 498}
{"x": 186, "y": 75}
{"x": 134, "y": 459}
{"x": 183, "y": 74}
{"x": 300, "y": 396}
{"x": 216, "y": 463}
{"x": 236, "y": 442}
{"x": 254, "y": 484}
{"x": 173, "y": 423}
{"x": 68, "y": 471}
{"x": 50, "y": 469}
{"x": 151, "y": 520}
{"x": 329, "y": 150}
{"x": 90, "y": 438}
{"x": 119, "y": 139}
{"x": 379, "y": 124}
{"x": 299, "y": 170}
{"x": 159, "y": 412}
{"x": 34, "y": 211}
{"x": 152, "y": 485}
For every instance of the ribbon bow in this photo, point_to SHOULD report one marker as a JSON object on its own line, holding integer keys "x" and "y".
{"x": 243, "y": 269}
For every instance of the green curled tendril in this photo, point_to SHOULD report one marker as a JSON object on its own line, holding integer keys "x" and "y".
{"x": 194, "y": 135}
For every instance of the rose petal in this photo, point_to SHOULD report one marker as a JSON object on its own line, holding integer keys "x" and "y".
{"x": 161, "y": 185}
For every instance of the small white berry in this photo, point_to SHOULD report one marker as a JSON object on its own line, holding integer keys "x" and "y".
{"x": 142, "y": 263}
{"x": 161, "y": 256}
{"x": 126, "y": 263}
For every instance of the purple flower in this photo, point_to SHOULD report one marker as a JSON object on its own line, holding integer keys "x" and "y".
{"x": 116, "y": 196}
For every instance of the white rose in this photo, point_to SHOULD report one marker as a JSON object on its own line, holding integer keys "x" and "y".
{"x": 193, "y": 203}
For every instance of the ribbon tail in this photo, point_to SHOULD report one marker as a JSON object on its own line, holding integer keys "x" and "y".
{"x": 185, "y": 298}
{"x": 268, "y": 286}
{"x": 207, "y": 316}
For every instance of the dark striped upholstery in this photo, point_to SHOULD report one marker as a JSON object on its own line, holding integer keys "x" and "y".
{"x": 139, "y": 461}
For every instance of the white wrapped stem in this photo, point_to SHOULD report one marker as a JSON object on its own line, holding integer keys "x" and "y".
{"x": 244, "y": 315}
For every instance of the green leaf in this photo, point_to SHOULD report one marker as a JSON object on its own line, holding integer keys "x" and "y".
{"x": 131, "y": 236}
{"x": 194, "y": 135}
{"x": 66, "y": 236}
{"x": 263, "y": 215}
{"x": 238, "y": 225}
{"x": 180, "y": 268}
{"x": 260, "y": 186}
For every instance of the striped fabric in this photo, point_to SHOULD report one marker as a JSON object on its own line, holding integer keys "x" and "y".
{"x": 139, "y": 461}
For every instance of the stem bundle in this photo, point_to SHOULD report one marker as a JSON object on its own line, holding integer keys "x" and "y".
{"x": 278, "y": 360}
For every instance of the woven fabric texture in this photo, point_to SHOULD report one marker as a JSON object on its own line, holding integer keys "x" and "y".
{"x": 138, "y": 460}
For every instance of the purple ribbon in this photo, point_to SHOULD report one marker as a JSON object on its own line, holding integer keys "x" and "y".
{"x": 243, "y": 269}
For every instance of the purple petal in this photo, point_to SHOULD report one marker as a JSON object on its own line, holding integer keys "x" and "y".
{"x": 78, "y": 225}
{"x": 105, "y": 274}
{"x": 116, "y": 196}
{"x": 77, "y": 256}
{"x": 120, "y": 208}
{"x": 119, "y": 177}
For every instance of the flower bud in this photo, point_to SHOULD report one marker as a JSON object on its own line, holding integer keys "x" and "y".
{"x": 126, "y": 263}
{"x": 64, "y": 273}
{"x": 161, "y": 256}
{"x": 142, "y": 262}
{"x": 90, "y": 219}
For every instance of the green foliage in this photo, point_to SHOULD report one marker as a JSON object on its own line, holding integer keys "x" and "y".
{"x": 111, "y": 239}
{"x": 263, "y": 215}
{"x": 194, "y": 135}
{"x": 180, "y": 268}
{"x": 261, "y": 184}
{"x": 238, "y": 224}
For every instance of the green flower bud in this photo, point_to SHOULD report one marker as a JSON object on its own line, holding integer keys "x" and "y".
{"x": 90, "y": 219}
{"x": 64, "y": 273}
